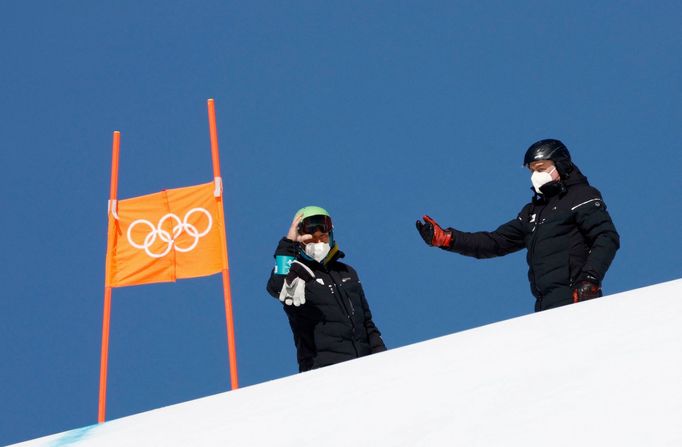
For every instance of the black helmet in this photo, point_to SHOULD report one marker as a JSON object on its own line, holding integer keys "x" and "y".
{"x": 550, "y": 149}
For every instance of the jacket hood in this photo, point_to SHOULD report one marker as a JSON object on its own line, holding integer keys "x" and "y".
{"x": 575, "y": 177}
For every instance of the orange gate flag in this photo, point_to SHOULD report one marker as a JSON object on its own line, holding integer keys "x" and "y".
{"x": 169, "y": 235}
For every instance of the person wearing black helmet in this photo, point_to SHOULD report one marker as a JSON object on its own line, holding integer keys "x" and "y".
{"x": 569, "y": 235}
{"x": 323, "y": 298}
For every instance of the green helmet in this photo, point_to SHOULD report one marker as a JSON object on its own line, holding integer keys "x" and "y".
{"x": 308, "y": 211}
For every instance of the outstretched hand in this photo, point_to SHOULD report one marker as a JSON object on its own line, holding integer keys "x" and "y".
{"x": 293, "y": 235}
{"x": 433, "y": 234}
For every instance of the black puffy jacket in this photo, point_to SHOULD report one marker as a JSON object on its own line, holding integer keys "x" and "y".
{"x": 335, "y": 323}
{"x": 568, "y": 234}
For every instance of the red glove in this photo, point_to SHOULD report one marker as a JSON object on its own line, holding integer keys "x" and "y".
{"x": 433, "y": 234}
{"x": 586, "y": 288}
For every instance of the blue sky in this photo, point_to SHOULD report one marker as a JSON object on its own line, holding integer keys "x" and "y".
{"x": 378, "y": 111}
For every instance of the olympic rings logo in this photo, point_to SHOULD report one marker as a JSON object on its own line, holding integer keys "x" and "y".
{"x": 168, "y": 238}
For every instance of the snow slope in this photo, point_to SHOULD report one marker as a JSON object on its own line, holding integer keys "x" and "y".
{"x": 606, "y": 372}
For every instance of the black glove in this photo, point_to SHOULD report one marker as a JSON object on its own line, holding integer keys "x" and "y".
{"x": 586, "y": 288}
{"x": 299, "y": 270}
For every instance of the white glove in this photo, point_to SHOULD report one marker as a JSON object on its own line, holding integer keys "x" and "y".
{"x": 293, "y": 291}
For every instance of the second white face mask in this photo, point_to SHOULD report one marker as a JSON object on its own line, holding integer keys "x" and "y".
{"x": 318, "y": 250}
{"x": 539, "y": 178}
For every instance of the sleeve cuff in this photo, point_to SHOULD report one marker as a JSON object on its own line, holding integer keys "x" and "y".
{"x": 286, "y": 247}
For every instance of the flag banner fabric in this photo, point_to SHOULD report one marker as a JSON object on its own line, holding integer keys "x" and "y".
{"x": 169, "y": 235}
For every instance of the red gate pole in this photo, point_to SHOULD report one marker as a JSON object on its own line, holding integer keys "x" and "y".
{"x": 227, "y": 293}
{"x": 101, "y": 415}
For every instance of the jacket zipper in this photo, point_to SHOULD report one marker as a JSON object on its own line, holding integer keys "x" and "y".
{"x": 349, "y": 315}
{"x": 534, "y": 238}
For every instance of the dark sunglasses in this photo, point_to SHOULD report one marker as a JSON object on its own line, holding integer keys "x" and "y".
{"x": 311, "y": 224}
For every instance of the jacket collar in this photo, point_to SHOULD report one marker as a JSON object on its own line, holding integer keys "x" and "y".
{"x": 558, "y": 187}
{"x": 333, "y": 255}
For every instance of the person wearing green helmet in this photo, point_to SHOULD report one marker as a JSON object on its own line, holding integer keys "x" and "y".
{"x": 322, "y": 297}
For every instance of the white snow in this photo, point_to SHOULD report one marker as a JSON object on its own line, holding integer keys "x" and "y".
{"x": 606, "y": 372}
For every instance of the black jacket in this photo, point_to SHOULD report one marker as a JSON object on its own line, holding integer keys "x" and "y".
{"x": 568, "y": 234}
{"x": 335, "y": 323}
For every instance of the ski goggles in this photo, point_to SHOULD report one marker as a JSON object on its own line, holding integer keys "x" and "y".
{"x": 311, "y": 224}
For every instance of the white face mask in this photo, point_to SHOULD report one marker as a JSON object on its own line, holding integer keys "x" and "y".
{"x": 539, "y": 178}
{"x": 318, "y": 250}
